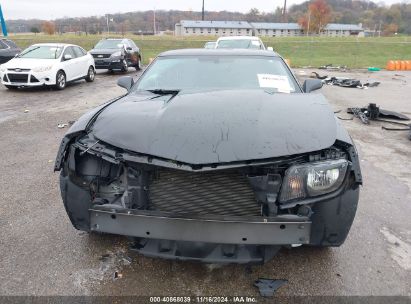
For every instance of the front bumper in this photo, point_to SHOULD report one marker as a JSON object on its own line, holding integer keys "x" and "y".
{"x": 279, "y": 230}
{"x": 27, "y": 79}
{"x": 109, "y": 64}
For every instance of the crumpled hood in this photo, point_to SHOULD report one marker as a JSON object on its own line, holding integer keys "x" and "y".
{"x": 220, "y": 126}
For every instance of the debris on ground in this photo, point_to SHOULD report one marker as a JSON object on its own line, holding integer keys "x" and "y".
{"x": 62, "y": 126}
{"x": 407, "y": 128}
{"x": 372, "y": 112}
{"x": 71, "y": 122}
{"x": 374, "y": 69}
{"x": 333, "y": 68}
{"x": 344, "y": 82}
{"x": 267, "y": 287}
{"x": 26, "y": 111}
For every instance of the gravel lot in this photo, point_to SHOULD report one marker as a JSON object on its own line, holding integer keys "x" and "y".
{"x": 41, "y": 254}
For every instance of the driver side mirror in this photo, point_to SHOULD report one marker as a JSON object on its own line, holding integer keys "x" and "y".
{"x": 67, "y": 57}
{"x": 270, "y": 48}
{"x": 129, "y": 48}
{"x": 125, "y": 82}
{"x": 312, "y": 85}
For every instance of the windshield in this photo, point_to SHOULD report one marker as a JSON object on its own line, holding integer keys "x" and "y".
{"x": 109, "y": 44}
{"x": 215, "y": 72}
{"x": 210, "y": 45}
{"x": 239, "y": 44}
{"x": 42, "y": 52}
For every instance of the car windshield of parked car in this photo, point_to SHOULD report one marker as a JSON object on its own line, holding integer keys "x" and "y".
{"x": 218, "y": 73}
{"x": 239, "y": 44}
{"x": 210, "y": 45}
{"x": 42, "y": 52}
{"x": 109, "y": 44}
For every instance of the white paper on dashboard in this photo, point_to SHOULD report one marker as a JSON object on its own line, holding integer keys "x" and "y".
{"x": 278, "y": 82}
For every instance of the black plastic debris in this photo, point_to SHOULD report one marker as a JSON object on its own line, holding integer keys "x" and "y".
{"x": 407, "y": 128}
{"x": 267, "y": 287}
{"x": 372, "y": 112}
{"x": 344, "y": 82}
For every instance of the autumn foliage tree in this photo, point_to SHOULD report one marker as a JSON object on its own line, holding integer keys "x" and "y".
{"x": 48, "y": 27}
{"x": 317, "y": 17}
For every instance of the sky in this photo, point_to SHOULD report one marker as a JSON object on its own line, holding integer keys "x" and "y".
{"x": 52, "y": 9}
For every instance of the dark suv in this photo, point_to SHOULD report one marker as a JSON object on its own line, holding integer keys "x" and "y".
{"x": 8, "y": 50}
{"x": 116, "y": 54}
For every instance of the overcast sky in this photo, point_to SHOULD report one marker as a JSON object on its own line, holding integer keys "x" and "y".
{"x": 51, "y": 9}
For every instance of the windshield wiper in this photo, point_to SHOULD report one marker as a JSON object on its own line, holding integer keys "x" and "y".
{"x": 163, "y": 92}
{"x": 29, "y": 51}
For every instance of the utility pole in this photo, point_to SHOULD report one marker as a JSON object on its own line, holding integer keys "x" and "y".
{"x": 202, "y": 14}
{"x": 285, "y": 11}
{"x": 154, "y": 21}
{"x": 108, "y": 26}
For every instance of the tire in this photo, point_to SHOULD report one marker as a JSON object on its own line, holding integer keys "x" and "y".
{"x": 61, "y": 80}
{"x": 138, "y": 65}
{"x": 125, "y": 66}
{"x": 13, "y": 88}
{"x": 91, "y": 74}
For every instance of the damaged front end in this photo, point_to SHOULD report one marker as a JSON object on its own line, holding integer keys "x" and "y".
{"x": 239, "y": 211}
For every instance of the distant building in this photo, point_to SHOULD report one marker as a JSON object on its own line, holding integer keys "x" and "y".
{"x": 277, "y": 29}
{"x": 213, "y": 28}
{"x": 243, "y": 28}
{"x": 342, "y": 30}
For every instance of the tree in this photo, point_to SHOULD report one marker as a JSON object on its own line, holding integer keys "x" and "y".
{"x": 317, "y": 17}
{"x": 35, "y": 30}
{"x": 390, "y": 29}
{"x": 48, "y": 27}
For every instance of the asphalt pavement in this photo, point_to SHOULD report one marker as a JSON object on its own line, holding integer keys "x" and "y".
{"x": 42, "y": 254}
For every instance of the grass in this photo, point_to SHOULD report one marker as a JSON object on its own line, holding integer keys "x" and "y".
{"x": 302, "y": 51}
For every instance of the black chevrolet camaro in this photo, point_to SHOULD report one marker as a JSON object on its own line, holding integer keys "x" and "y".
{"x": 213, "y": 156}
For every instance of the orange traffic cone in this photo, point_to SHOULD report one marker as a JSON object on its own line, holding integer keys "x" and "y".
{"x": 402, "y": 65}
{"x": 391, "y": 65}
{"x": 397, "y": 65}
{"x": 408, "y": 65}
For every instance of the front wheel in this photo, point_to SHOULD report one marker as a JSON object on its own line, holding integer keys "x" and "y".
{"x": 138, "y": 65}
{"x": 125, "y": 66}
{"x": 91, "y": 74}
{"x": 61, "y": 81}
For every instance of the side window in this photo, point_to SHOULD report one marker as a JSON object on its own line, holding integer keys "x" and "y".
{"x": 11, "y": 44}
{"x": 69, "y": 51}
{"x": 133, "y": 45}
{"x": 78, "y": 51}
{"x": 127, "y": 43}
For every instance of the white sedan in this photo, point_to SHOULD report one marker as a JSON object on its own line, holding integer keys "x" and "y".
{"x": 48, "y": 64}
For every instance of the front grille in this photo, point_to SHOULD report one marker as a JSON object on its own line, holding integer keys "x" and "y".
{"x": 210, "y": 193}
{"x": 20, "y": 78}
{"x": 101, "y": 56}
{"x": 19, "y": 70}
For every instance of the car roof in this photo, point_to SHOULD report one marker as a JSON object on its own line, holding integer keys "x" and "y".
{"x": 239, "y": 38}
{"x": 115, "y": 39}
{"x": 219, "y": 52}
{"x": 54, "y": 44}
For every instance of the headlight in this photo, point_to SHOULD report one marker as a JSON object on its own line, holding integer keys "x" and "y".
{"x": 2, "y": 69}
{"x": 116, "y": 54}
{"x": 313, "y": 179}
{"x": 42, "y": 69}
